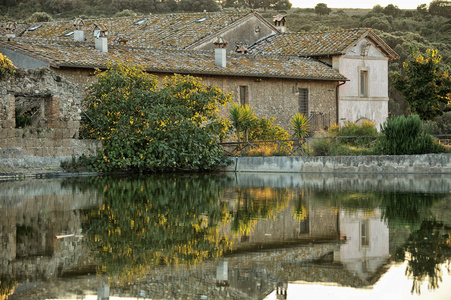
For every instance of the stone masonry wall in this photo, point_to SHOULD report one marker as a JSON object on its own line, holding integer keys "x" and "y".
{"x": 53, "y": 104}
{"x": 269, "y": 97}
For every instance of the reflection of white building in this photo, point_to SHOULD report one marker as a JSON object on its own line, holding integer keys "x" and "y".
{"x": 366, "y": 246}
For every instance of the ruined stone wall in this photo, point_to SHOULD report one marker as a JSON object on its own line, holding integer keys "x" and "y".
{"x": 40, "y": 117}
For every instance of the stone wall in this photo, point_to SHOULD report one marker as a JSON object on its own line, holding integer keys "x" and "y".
{"x": 52, "y": 107}
{"x": 370, "y": 164}
{"x": 269, "y": 97}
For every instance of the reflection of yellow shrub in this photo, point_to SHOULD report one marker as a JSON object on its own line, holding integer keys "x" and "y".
{"x": 300, "y": 213}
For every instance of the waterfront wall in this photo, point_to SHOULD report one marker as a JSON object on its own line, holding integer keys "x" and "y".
{"x": 380, "y": 164}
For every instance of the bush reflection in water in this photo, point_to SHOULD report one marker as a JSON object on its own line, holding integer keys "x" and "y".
{"x": 153, "y": 220}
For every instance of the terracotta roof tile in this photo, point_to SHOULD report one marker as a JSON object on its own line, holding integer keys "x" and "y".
{"x": 164, "y": 31}
{"x": 310, "y": 43}
{"x": 317, "y": 43}
{"x": 82, "y": 54}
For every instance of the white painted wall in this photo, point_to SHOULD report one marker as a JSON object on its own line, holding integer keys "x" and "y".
{"x": 353, "y": 107}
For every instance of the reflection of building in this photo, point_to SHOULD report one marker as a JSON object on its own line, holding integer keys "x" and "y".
{"x": 266, "y": 217}
{"x": 33, "y": 214}
{"x": 367, "y": 242}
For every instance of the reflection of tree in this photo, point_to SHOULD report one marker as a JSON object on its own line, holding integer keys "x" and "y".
{"x": 257, "y": 203}
{"x": 148, "y": 221}
{"x": 426, "y": 251}
{"x": 7, "y": 286}
{"x": 301, "y": 208}
{"x": 411, "y": 208}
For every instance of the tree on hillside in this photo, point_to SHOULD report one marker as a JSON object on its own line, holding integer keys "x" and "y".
{"x": 422, "y": 9}
{"x": 377, "y": 9}
{"x": 425, "y": 83}
{"x": 392, "y": 10}
{"x": 254, "y": 4}
{"x": 198, "y": 5}
{"x": 145, "y": 127}
{"x": 322, "y": 9}
{"x": 440, "y": 8}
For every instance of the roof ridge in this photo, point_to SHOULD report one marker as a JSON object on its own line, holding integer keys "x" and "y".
{"x": 324, "y": 31}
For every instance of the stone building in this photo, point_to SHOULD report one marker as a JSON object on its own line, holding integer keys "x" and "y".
{"x": 332, "y": 77}
{"x": 40, "y": 120}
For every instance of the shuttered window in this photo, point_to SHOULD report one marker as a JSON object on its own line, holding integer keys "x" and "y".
{"x": 243, "y": 95}
{"x": 303, "y": 101}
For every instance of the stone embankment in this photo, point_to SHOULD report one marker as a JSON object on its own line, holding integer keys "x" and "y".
{"x": 381, "y": 164}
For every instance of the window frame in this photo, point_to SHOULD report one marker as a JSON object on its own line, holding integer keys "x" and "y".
{"x": 303, "y": 101}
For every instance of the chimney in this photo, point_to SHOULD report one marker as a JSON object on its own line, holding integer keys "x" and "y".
{"x": 279, "y": 22}
{"x": 10, "y": 28}
{"x": 220, "y": 52}
{"x": 79, "y": 34}
{"x": 101, "y": 40}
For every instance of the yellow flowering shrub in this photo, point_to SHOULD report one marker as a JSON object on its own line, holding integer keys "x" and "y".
{"x": 147, "y": 126}
{"x": 6, "y": 67}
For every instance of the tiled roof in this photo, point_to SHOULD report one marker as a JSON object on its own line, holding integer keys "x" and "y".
{"x": 162, "y": 31}
{"x": 84, "y": 55}
{"x": 317, "y": 43}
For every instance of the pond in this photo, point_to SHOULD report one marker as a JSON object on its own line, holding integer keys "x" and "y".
{"x": 226, "y": 236}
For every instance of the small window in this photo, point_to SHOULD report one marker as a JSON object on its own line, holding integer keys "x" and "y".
{"x": 363, "y": 83}
{"x": 303, "y": 101}
{"x": 364, "y": 234}
{"x": 243, "y": 95}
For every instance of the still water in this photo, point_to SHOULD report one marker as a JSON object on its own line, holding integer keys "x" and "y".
{"x": 226, "y": 236}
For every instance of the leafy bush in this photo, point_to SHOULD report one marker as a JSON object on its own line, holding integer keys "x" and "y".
{"x": 22, "y": 119}
{"x": 323, "y": 146}
{"x": 443, "y": 124}
{"x": 244, "y": 120}
{"x": 405, "y": 136}
{"x": 125, "y": 13}
{"x": 39, "y": 16}
{"x": 366, "y": 128}
{"x": 145, "y": 127}
{"x": 264, "y": 129}
{"x": 266, "y": 150}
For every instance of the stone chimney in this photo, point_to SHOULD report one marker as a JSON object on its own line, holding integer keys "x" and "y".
{"x": 79, "y": 34}
{"x": 220, "y": 52}
{"x": 279, "y": 22}
{"x": 101, "y": 40}
{"x": 10, "y": 29}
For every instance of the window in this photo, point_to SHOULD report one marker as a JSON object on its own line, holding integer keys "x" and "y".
{"x": 303, "y": 101}
{"x": 363, "y": 83}
{"x": 243, "y": 95}
{"x": 364, "y": 233}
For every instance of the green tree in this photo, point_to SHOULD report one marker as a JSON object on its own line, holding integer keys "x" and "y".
{"x": 425, "y": 83}
{"x": 422, "y": 9}
{"x": 322, "y": 9}
{"x": 198, "y": 5}
{"x": 378, "y": 9}
{"x": 144, "y": 127}
{"x": 440, "y": 8}
{"x": 392, "y": 10}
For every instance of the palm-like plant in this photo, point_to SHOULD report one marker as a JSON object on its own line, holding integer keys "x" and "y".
{"x": 300, "y": 125}
{"x": 242, "y": 118}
